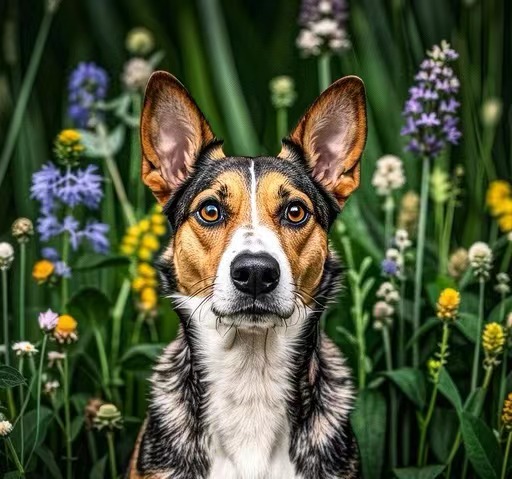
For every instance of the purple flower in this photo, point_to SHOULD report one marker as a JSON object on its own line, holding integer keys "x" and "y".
{"x": 48, "y": 226}
{"x": 87, "y": 85}
{"x": 62, "y": 269}
{"x": 389, "y": 267}
{"x": 43, "y": 186}
{"x": 48, "y": 321}
{"x": 430, "y": 112}
{"x": 51, "y": 254}
{"x": 96, "y": 234}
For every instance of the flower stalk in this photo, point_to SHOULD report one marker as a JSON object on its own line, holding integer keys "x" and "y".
{"x": 476, "y": 353}
{"x": 324, "y": 71}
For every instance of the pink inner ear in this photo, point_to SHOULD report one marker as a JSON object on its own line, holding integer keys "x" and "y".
{"x": 175, "y": 145}
{"x": 332, "y": 140}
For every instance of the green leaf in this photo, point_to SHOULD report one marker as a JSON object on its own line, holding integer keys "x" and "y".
{"x": 467, "y": 324}
{"x": 448, "y": 389}
{"x": 96, "y": 147}
{"x": 411, "y": 382}
{"x": 115, "y": 139}
{"x": 10, "y": 377}
{"x": 481, "y": 446}
{"x": 427, "y": 472}
{"x": 12, "y": 475}
{"x": 347, "y": 334}
{"x": 423, "y": 329}
{"x": 475, "y": 401}
{"x": 442, "y": 432}
{"x": 49, "y": 461}
{"x": 89, "y": 305}
{"x": 76, "y": 426}
{"x": 495, "y": 315}
{"x": 369, "y": 424}
{"x": 98, "y": 470}
{"x": 141, "y": 356}
{"x": 97, "y": 261}
{"x": 29, "y": 423}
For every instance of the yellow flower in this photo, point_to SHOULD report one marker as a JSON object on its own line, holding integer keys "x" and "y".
{"x": 158, "y": 224}
{"x": 493, "y": 339}
{"x": 448, "y": 304}
{"x": 131, "y": 240}
{"x": 150, "y": 242}
{"x": 144, "y": 254}
{"x": 68, "y": 146}
{"x": 127, "y": 249}
{"x": 505, "y": 223}
{"x": 42, "y": 270}
{"x": 65, "y": 331}
{"x": 144, "y": 225}
{"x": 433, "y": 366}
{"x": 497, "y": 193}
{"x": 506, "y": 415}
{"x": 148, "y": 299}
{"x": 158, "y": 208}
{"x": 133, "y": 231}
{"x": 146, "y": 270}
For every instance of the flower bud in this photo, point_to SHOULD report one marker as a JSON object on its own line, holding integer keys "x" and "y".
{"x": 22, "y": 229}
{"x": 140, "y": 41}
{"x": 6, "y": 256}
{"x": 283, "y": 93}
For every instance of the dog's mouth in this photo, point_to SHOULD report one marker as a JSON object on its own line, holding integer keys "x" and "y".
{"x": 253, "y": 313}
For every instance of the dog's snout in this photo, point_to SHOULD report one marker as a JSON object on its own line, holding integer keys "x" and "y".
{"x": 255, "y": 274}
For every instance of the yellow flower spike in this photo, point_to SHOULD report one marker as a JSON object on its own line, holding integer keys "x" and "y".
{"x": 505, "y": 223}
{"x": 158, "y": 208}
{"x": 506, "y": 415}
{"x": 133, "y": 231}
{"x": 131, "y": 240}
{"x": 144, "y": 225}
{"x": 146, "y": 270}
{"x": 42, "y": 270}
{"x": 127, "y": 249}
{"x": 158, "y": 230}
{"x": 497, "y": 193}
{"x": 493, "y": 339}
{"x": 65, "y": 331}
{"x": 138, "y": 283}
{"x": 148, "y": 299}
{"x": 150, "y": 242}
{"x": 158, "y": 219}
{"x": 68, "y": 137}
{"x": 144, "y": 254}
{"x": 448, "y": 304}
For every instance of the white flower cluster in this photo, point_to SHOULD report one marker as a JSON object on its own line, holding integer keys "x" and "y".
{"x": 389, "y": 175}
{"x": 6, "y": 255}
{"x": 323, "y": 33}
{"x": 5, "y": 428}
{"x": 136, "y": 73}
{"x": 401, "y": 240}
{"x": 24, "y": 348}
{"x": 384, "y": 309}
{"x": 480, "y": 258}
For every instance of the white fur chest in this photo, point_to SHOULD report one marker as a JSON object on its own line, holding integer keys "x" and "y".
{"x": 247, "y": 408}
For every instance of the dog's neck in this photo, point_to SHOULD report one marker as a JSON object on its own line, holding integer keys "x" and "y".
{"x": 249, "y": 376}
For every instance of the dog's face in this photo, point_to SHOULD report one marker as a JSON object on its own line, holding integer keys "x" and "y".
{"x": 250, "y": 234}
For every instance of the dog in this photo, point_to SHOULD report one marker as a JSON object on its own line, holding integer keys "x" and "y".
{"x": 251, "y": 388}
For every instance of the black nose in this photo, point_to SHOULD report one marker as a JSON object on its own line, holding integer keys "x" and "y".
{"x": 255, "y": 274}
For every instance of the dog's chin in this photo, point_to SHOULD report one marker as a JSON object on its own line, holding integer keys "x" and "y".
{"x": 252, "y": 316}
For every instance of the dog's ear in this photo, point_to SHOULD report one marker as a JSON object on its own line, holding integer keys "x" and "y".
{"x": 332, "y": 135}
{"x": 173, "y": 133}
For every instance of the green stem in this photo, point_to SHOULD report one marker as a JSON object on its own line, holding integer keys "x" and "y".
{"x": 38, "y": 396}
{"x": 153, "y": 333}
{"x": 92, "y": 446}
{"x": 393, "y": 403}
{"x": 505, "y": 263}
{"x": 26, "y": 89}
{"x": 505, "y": 458}
{"x": 102, "y": 354}
{"x": 447, "y": 233}
{"x": 420, "y": 252}
{"x": 115, "y": 176}
{"x": 324, "y": 71}
{"x": 281, "y": 123}
{"x": 389, "y": 206}
{"x": 135, "y": 151}
{"x": 64, "y": 292}
{"x": 476, "y": 354}
{"x": 503, "y": 378}
{"x": 112, "y": 454}
{"x": 401, "y": 326}
{"x": 425, "y": 423}
{"x": 23, "y": 262}
{"x": 22, "y": 425}
{"x": 14, "y": 456}
{"x": 117, "y": 316}
{"x": 64, "y": 371}
{"x": 5, "y": 315}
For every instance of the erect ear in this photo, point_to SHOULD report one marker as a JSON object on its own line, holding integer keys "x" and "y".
{"x": 332, "y": 135}
{"x": 173, "y": 133}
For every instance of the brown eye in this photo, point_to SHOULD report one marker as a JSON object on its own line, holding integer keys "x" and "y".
{"x": 209, "y": 213}
{"x": 296, "y": 213}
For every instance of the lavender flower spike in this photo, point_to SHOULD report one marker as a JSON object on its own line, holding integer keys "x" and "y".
{"x": 430, "y": 112}
{"x": 48, "y": 321}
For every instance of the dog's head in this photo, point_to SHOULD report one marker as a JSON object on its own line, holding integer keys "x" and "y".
{"x": 250, "y": 234}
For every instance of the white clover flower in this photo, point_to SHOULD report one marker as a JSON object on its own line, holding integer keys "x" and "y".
{"x": 503, "y": 286}
{"x": 24, "y": 348}
{"x": 6, "y": 255}
{"x": 282, "y": 89}
{"x": 326, "y": 27}
{"x": 382, "y": 313}
{"x": 480, "y": 258}
{"x": 385, "y": 289}
{"x": 308, "y": 42}
{"x": 136, "y": 73}
{"x": 5, "y": 428}
{"x": 54, "y": 357}
{"x": 389, "y": 175}
{"x": 325, "y": 7}
{"x": 50, "y": 387}
{"x": 402, "y": 240}
{"x": 140, "y": 41}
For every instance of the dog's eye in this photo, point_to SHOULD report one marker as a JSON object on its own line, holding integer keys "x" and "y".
{"x": 296, "y": 213}
{"x": 209, "y": 212}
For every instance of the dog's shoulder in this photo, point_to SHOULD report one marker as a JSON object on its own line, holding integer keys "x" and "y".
{"x": 322, "y": 441}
